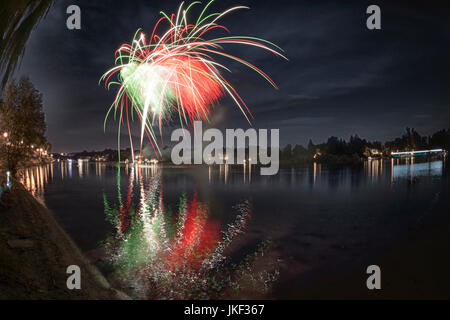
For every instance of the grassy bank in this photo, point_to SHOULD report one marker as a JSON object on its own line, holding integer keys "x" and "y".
{"x": 35, "y": 253}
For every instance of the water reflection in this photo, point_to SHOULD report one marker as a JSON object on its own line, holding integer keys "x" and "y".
{"x": 317, "y": 171}
{"x": 174, "y": 234}
{"x": 35, "y": 179}
{"x": 411, "y": 170}
{"x": 374, "y": 169}
{"x": 223, "y": 173}
{"x": 158, "y": 252}
{"x": 401, "y": 169}
{"x": 371, "y": 172}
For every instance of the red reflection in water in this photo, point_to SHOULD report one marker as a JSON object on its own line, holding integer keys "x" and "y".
{"x": 199, "y": 238}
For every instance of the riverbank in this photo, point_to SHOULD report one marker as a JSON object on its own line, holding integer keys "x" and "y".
{"x": 35, "y": 253}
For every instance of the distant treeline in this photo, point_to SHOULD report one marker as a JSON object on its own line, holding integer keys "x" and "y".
{"x": 105, "y": 155}
{"x": 339, "y": 150}
{"x": 334, "y": 150}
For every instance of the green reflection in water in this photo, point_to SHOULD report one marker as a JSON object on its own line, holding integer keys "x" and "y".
{"x": 157, "y": 253}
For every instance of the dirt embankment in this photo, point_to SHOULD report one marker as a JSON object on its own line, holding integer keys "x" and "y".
{"x": 35, "y": 253}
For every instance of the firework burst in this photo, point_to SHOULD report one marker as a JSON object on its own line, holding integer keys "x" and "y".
{"x": 174, "y": 72}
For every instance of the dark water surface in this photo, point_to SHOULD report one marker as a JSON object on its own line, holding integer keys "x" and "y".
{"x": 314, "y": 220}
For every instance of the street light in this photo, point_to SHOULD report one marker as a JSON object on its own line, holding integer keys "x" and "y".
{"x": 5, "y": 135}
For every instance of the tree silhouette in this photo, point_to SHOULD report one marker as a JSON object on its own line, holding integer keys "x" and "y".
{"x": 17, "y": 20}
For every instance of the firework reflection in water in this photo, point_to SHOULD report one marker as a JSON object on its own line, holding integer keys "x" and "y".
{"x": 159, "y": 254}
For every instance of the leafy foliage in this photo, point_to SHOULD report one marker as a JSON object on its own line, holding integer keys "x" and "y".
{"x": 22, "y": 124}
{"x": 17, "y": 20}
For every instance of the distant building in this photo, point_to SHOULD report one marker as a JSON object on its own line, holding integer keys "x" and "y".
{"x": 317, "y": 154}
{"x": 372, "y": 153}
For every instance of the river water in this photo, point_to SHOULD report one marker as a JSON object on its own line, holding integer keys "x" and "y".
{"x": 217, "y": 232}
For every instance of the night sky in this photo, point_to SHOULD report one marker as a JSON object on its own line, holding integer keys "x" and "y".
{"x": 341, "y": 78}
